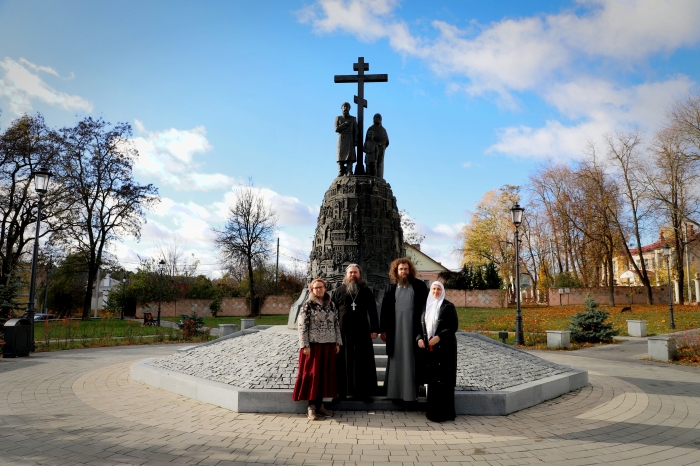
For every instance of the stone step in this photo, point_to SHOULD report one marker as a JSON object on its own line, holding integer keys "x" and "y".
{"x": 378, "y": 403}
{"x": 381, "y": 373}
{"x": 381, "y": 360}
{"x": 379, "y": 349}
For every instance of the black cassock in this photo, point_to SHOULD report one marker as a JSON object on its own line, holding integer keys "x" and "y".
{"x": 439, "y": 367}
{"x": 355, "y": 368}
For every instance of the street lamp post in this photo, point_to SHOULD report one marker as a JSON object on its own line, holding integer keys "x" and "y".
{"x": 124, "y": 281}
{"x": 517, "y": 214}
{"x": 41, "y": 184}
{"x": 667, "y": 253}
{"x": 161, "y": 267}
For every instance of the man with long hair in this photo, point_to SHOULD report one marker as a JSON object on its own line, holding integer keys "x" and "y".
{"x": 402, "y": 307}
{"x": 359, "y": 325}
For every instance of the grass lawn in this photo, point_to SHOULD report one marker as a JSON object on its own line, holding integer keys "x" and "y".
{"x": 213, "y": 322}
{"x": 91, "y": 328}
{"x": 538, "y": 319}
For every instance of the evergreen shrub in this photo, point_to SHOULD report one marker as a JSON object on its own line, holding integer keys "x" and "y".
{"x": 589, "y": 326}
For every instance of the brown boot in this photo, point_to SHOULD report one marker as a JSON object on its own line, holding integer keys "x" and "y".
{"x": 324, "y": 412}
{"x": 311, "y": 413}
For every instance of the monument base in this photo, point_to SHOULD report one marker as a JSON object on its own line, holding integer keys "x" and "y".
{"x": 260, "y": 379}
{"x": 241, "y": 400}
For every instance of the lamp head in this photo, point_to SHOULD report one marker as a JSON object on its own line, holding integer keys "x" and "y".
{"x": 517, "y": 213}
{"x": 667, "y": 250}
{"x": 161, "y": 266}
{"x": 41, "y": 180}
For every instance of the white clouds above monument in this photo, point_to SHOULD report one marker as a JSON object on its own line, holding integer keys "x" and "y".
{"x": 21, "y": 84}
{"x": 583, "y": 61}
{"x": 478, "y": 93}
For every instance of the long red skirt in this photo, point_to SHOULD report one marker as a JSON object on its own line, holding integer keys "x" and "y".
{"x": 316, "y": 374}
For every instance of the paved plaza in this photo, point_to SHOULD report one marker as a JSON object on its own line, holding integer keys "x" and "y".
{"x": 79, "y": 407}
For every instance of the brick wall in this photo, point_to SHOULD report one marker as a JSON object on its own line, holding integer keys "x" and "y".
{"x": 229, "y": 307}
{"x": 477, "y": 298}
{"x": 623, "y": 295}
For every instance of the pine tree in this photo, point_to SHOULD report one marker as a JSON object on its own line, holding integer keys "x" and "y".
{"x": 491, "y": 277}
{"x": 589, "y": 326}
{"x": 478, "y": 282}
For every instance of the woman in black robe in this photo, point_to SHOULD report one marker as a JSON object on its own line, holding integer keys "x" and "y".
{"x": 438, "y": 344}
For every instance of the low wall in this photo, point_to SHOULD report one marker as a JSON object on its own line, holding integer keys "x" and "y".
{"x": 477, "y": 298}
{"x": 229, "y": 307}
{"x": 623, "y": 295}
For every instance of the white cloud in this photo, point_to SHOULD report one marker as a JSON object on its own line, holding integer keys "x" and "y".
{"x": 550, "y": 55}
{"x": 601, "y": 107}
{"x": 21, "y": 84}
{"x": 169, "y": 155}
{"x": 192, "y": 224}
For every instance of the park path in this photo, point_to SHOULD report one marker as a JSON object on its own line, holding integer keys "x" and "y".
{"x": 79, "y": 407}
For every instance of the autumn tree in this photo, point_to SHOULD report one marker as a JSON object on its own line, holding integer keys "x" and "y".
{"x": 488, "y": 237}
{"x": 623, "y": 152}
{"x": 598, "y": 201}
{"x": 108, "y": 204}
{"x": 246, "y": 238}
{"x": 27, "y": 145}
{"x": 552, "y": 187}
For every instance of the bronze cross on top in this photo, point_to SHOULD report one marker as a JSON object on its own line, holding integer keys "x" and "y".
{"x": 361, "y": 78}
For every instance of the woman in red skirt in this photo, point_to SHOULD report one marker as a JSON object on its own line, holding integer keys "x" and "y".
{"x": 320, "y": 340}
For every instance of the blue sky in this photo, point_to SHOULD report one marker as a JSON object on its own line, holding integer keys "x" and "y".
{"x": 479, "y": 95}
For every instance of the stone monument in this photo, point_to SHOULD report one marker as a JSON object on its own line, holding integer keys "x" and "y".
{"x": 359, "y": 221}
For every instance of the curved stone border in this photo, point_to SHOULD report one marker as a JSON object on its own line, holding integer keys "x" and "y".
{"x": 484, "y": 403}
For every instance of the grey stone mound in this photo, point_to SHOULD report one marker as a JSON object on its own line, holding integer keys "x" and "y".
{"x": 262, "y": 360}
{"x": 268, "y": 360}
{"x": 486, "y": 364}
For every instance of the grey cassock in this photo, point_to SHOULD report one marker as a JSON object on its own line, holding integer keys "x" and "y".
{"x": 401, "y": 368}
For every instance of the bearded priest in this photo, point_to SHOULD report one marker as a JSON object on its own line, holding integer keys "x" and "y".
{"x": 359, "y": 325}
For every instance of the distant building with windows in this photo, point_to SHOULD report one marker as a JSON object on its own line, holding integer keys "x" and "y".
{"x": 655, "y": 261}
{"x": 427, "y": 268}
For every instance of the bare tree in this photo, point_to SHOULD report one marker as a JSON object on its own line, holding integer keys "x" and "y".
{"x": 247, "y": 236}
{"x": 623, "y": 153}
{"x": 684, "y": 119}
{"x": 411, "y": 234}
{"x": 177, "y": 262}
{"x": 107, "y": 203}
{"x": 672, "y": 180}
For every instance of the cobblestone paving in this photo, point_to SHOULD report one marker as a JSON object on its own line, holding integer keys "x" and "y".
{"x": 266, "y": 360}
{"x": 80, "y": 408}
{"x": 485, "y": 364}
{"x": 257, "y": 360}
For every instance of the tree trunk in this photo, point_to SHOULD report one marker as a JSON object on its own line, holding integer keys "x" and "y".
{"x": 87, "y": 300}
{"x": 253, "y": 308}
{"x": 611, "y": 280}
{"x": 680, "y": 271}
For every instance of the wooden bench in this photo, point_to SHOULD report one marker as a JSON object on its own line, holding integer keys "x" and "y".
{"x": 148, "y": 319}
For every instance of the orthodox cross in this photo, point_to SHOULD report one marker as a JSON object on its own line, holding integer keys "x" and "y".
{"x": 361, "y": 78}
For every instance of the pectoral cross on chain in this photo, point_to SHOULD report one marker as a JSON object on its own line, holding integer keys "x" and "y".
{"x": 354, "y": 306}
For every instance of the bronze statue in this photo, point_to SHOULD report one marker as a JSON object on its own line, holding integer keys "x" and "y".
{"x": 370, "y": 148}
{"x": 380, "y": 140}
{"x": 348, "y": 136}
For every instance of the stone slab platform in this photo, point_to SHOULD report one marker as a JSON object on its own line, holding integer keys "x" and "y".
{"x": 256, "y": 374}
{"x": 243, "y": 400}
